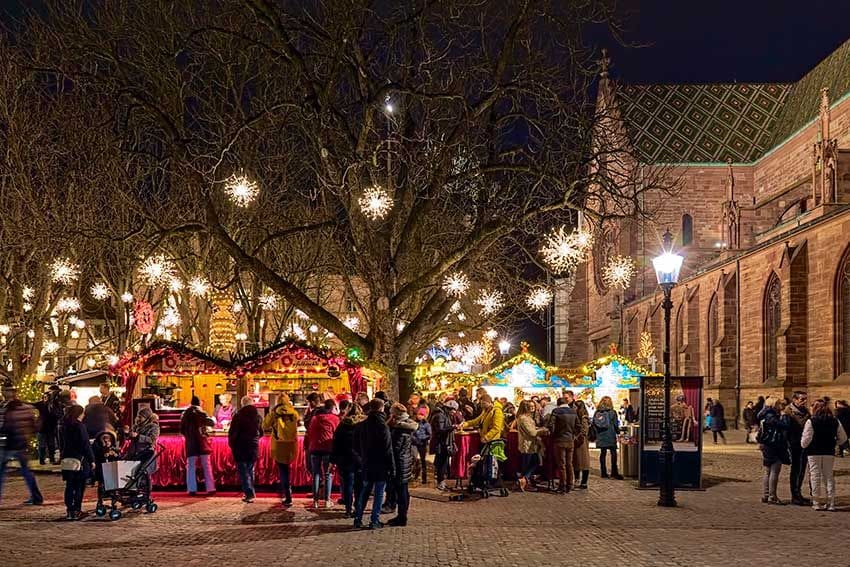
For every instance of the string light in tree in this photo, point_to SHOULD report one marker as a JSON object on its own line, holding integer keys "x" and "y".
{"x": 5, "y": 329}
{"x": 455, "y": 308}
{"x": 31, "y": 334}
{"x": 199, "y": 287}
{"x": 27, "y": 293}
{"x": 456, "y": 285}
{"x": 68, "y": 305}
{"x": 375, "y": 202}
{"x": 399, "y": 327}
{"x": 618, "y": 272}
{"x": 27, "y": 307}
{"x": 99, "y": 291}
{"x": 241, "y": 190}
{"x": 64, "y": 271}
{"x": 491, "y": 301}
{"x": 170, "y": 318}
{"x": 157, "y": 270}
{"x": 561, "y": 250}
{"x": 491, "y": 334}
{"x": 539, "y": 298}
{"x": 127, "y": 297}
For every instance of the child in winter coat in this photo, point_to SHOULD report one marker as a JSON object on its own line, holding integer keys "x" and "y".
{"x": 105, "y": 449}
{"x": 420, "y": 439}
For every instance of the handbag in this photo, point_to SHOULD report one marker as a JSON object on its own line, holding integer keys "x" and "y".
{"x": 71, "y": 465}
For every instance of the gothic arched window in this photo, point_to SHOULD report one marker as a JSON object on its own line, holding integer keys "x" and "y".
{"x": 842, "y": 330}
{"x": 687, "y": 230}
{"x": 772, "y": 318}
{"x": 711, "y": 336}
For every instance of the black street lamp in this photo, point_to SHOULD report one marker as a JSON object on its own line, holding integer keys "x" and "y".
{"x": 667, "y": 267}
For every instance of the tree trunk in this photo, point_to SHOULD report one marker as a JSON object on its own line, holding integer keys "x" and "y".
{"x": 385, "y": 350}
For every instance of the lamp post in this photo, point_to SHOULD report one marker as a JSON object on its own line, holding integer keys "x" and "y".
{"x": 667, "y": 267}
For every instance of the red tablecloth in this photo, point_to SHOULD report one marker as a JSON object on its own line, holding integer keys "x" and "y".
{"x": 468, "y": 444}
{"x": 171, "y": 465}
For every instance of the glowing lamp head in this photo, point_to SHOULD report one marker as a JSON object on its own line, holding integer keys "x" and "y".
{"x": 668, "y": 264}
{"x": 504, "y": 347}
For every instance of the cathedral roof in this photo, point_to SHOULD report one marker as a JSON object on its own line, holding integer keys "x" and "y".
{"x": 706, "y": 123}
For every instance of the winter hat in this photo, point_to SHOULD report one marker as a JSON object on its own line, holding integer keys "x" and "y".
{"x": 423, "y": 412}
{"x": 452, "y": 404}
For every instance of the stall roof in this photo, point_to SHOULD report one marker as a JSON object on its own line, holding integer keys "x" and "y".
{"x": 166, "y": 349}
{"x": 87, "y": 378}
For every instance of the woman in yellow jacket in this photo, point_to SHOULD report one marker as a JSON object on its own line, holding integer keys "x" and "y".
{"x": 489, "y": 422}
{"x": 282, "y": 422}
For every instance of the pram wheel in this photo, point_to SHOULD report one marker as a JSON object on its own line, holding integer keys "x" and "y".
{"x": 151, "y": 507}
{"x": 136, "y": 505}
{"x": 115, "y": 514}
{"x": 100, "y": 510}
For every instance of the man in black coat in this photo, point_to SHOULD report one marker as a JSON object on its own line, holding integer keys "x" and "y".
{"x": 842, "y": 414}
{"x": 48, "y": 425}
{"x": 375, "y": 451}
{"x": 799, "y": 415}
{"x": 246, "y": 428}
{"x": 401, "y": 429}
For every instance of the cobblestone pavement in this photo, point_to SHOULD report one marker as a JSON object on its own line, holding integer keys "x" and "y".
{"x": 607, "y": 525}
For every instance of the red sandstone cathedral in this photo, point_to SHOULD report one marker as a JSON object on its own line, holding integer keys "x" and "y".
{"x": 762, "y": 218}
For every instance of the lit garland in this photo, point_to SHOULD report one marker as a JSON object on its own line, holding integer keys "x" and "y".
{"x": 64, "y": 271}
{"x": 99, "y": 291}
{"x": 157, "y": 270}
{"x": 241, "y": 190}
{"x": 618, "y": 272}
{"x": 68, "y": 305}
{"x": 199, "y": 287}
{"x": 491, "y": 301}
{"x": 375, "y": 202}
{"x": 456, "y": 285}
{"x": 561, "y": 251}
{"x": 539, "y": 298}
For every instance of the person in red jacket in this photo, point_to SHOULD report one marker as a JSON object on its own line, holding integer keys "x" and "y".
{"x": 318, "y": 444}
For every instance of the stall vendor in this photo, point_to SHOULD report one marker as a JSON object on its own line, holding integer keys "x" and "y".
{"x": 223, "y": 412}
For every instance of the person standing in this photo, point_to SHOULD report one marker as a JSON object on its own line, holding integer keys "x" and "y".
{"x": 17, "y": 426}
{"x": 581, "y": 451}
{"x": 77, "y": 461}
{"x": 193, "y": 427}
{"x": 490, "y": 420}
{"x": 401, "y": 430}
{"x": 318, "y": 443}
{"x": 718, "y": 421}
{"x": 799, "y": 415}
{"x": 773, "y": 442}
{"x": 375, "y": 449}
{"x": 821, "y": 434}
{"x": 48, "y": 425}
{"x": 749, "y": 417}
{"x": 345, "y": 457}
{"x": 530, "y": 445}
{"x": 246, "y": 428}
{"x": 110, "y": 400}
{"x": 421, "y": 438}
{"x": 98, "y": 417}
{"x": 443, "y": 428}
{"x": 842, "y": 414}
{"x": 564, "y": 426}
{"x": 607, "y": 426}
{"x": 282, "y": 422}
{"x": 223, "y": 412}
{"x": 143, "y": 437}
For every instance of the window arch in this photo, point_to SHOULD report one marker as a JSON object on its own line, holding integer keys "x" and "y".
{"x": 772, "y": 317}
{"x": 842, "y": 330}
{"x": 687, "y": 230}
{"x": 711, "y": 337}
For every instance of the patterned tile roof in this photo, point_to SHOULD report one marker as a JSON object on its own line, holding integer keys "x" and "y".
{"x": 701, "y": 123}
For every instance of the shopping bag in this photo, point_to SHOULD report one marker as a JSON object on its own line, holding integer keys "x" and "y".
{"x": 116, "y": 474}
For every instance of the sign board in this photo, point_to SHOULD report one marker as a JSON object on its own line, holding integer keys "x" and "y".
{"x": 685, "y": 426}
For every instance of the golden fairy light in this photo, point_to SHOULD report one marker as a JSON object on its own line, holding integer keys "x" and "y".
{"x": 539, "y": 298}
{"x": 198, "y": 286}
{"x": 157, "y": 270}
{"x": 456, "y": 285}
{"x": 241, "y": 190}
{"x": 561, "y": 250}
{"x": 68, "y": 305}
{"x": 375, "y": 202}
{"x": 491, "y": 301}
{"x": 99, "y": 291}
{"x": 618, "y": 272}
{"x": 64, "y": 271}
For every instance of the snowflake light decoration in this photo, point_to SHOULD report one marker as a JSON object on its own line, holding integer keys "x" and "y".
{"x": 127, "y": 297}
{"x": 491, "y": 334}
{"x": 99, "y": 291}
{"x": 375, "y": 202}
{"x": 198, "y": 286}
{"x": 561, "y": 251}
{"x": 491, "y": 301}
{"x": 539, "y": 298}
{"x": 456, "y": 285}
{"x": 241, "y": 190}
{"x": 456, "y": 307}
{"x": 472, "y": 353}
{"x": 64, "y": 271}
{"x": 170, "y": 318}
{"x": 27, "y": 293}
{"x": 268, "y": 302}
{"x": 51, "y": 347}
{"x": 157, "y": 270}
{"x": 351, "y": 322}
{"x": 175, "y": 284}
{"x": 68, "y": 305}
{"x": 618, "y": 272}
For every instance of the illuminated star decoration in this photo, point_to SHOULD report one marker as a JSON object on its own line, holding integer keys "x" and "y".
{"x": 99, "y": 291}
{"x": 491, "y": 334}
{"x": 157, "y": 270}
{"x": 51, "y": 347}
{"x": 127, "y": 297}
{"x": 491, "y": 301}
{"x": 561, "y": 251}
{"x": 64, "y": 271}
{"x": 618, "y": 272}
{"x": 175, "y": 284}
{"x": 539, "y": 298}
{"x": 170, "y": 318}
{"x": 241, "y": 190}
{"x": 68, "y": 305}
{"x": 456, "y": 285}
{"x": 351, "y": 322}
{"x": 375, "y": 202}
{"x": 198, "y": 286}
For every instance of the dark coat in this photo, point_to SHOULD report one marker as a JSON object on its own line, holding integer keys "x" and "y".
{"x": 798, "y": 418}
{"x": 75, "y": 445}
{"x": 113, "y": 402}
{"x": 375, "y": 448}
{"x": 97, "y": 418}
{"x": 18, "y": 424}
{"x": 193, "y": 427}
{"x": 564, "y": 425}
{"x": 47, "y": 419}
{"x": 246, "y": 428}
{"x": 443, "y": 432}
{"x": 401, "y": 432}
{"x": 749, "y": 415}
{"x": 843, "y": 417}
{"x": 775, "y": 428}
{"x": 344, "y": 454}
{"x": 718, "y": 417}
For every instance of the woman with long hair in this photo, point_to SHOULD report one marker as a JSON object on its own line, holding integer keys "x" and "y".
{"x": 821, "y": 434}
{"x": 607, "y": 427}
{"x": 530, "y": 445}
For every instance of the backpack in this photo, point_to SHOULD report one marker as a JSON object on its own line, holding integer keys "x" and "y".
{"x": 768, "y": 433}
{"x": 601, "y": 421}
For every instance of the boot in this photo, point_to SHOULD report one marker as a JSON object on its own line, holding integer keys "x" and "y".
{"x": 830, "y": 504}
{"x": 584, "y": 475}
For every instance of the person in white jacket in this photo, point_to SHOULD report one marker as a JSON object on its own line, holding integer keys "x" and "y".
{"x": 821, "y": 434}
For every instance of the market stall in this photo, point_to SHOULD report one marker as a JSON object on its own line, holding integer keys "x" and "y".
{"x": 525, "y": 375}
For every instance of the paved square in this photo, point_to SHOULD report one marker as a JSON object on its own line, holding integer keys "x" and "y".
{"x": 610, "y": 524}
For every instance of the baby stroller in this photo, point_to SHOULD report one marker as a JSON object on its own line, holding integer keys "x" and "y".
{"x": 127, "y": 483}
{"x": 484, "y": 474}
